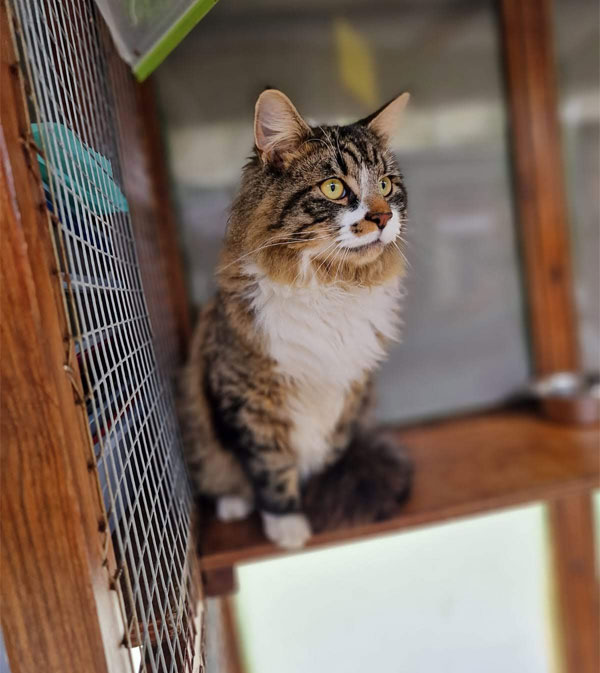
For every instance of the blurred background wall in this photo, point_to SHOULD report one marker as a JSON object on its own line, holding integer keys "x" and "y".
{"x": 577, "y": 36}
{"x": 471, "y": 596}
{"x": 463, "y": 340}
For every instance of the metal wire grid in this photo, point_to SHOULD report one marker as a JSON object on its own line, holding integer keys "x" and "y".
{"x": 74, "y": 88}
{"x": 137, "y": 179}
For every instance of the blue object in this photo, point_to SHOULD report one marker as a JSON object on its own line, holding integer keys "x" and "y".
{"x": 83, "y": 170}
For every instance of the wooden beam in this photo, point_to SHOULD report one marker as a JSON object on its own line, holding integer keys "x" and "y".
{"x": 219, "y": 582}
{"x": 571, "y": 521}
{"x": 231, "y": 637}
{"x": 462, "y": 467}
{"x": 540, "y": 193}
{"x": 541, "y": 204}
{"x": 58, "y": 612}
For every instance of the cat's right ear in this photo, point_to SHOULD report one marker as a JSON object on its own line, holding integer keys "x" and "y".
{"x": 278, "y": 128}
{"x": 385, "y": 120}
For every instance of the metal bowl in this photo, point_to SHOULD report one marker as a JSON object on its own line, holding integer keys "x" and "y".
{"x": 569, "y": 397}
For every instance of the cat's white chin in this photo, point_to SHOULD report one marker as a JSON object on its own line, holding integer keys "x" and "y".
{"x": 373, "y": 245}
{"x": 364, "y": 254}
{"x": 290, "y": 531}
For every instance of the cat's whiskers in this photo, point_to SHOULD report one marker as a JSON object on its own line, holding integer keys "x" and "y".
{"x": 337, "y": 142}
{"x": 302, "y": 269}
{"x": 399, "y": 243}
{"x": 327, "y": 141}
{"x": 330, "y": 259}
{"x": 321, "y": 252}
{"x": 332, "y": 252}
{"x": 340, "y": 263}
{"x": 315, "y": 140}
{"x": 399, "y": 249}
{"x": 343, "y": 262}
{"x": 271, "y": 245}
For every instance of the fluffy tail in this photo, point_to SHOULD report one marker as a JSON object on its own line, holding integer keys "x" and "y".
{"x": 368, "y": 483}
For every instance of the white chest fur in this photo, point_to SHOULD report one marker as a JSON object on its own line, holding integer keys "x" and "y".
{"x": 323, "y": 338}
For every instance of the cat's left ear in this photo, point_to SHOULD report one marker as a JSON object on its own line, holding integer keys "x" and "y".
{"x": 385, "y": 120}
{"x": 278, "y": 128}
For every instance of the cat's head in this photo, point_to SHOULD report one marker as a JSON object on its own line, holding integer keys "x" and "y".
{"x": 323, "y": 203}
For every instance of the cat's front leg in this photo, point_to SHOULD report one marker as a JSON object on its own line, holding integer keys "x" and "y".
{"x": 248, "y": 422}
{"x": 276, "y": 481}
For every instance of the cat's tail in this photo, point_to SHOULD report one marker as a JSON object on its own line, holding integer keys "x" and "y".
{"x": 368, "y": 483}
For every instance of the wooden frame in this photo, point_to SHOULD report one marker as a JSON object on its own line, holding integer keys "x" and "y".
{"x": 231, "y": 641}
{"x": 539, "y": 186}
{"x": 541, "y": 199}
{"x": 56, "y": 592}
{"x": 62, "y": 608}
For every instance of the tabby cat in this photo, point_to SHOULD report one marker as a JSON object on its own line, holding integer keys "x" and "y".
{"x": 275, "y": 394}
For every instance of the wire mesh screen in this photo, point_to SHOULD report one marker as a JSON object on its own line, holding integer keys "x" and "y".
{"x": 94, "y": 168}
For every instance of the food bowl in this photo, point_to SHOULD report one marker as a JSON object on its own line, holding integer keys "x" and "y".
{"x": 569, "y": 397}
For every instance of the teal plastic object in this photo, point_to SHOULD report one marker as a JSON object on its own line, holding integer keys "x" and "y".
{"x": 84, "y": 171}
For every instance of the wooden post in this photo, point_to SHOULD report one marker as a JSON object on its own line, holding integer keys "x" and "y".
{"x": 540, "y": 191}
{"x": 58, "y": 612}
{"x": 231, "y": 639}
{"x": 539, "y": 186}
{"x": 572, "y": 525}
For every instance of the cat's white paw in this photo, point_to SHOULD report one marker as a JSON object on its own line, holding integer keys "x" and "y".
{"x": 233, "y": 508}
{"x": 290, "y": 531}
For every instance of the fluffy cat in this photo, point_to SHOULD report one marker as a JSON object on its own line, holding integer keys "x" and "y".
{"x": 276, "y": 391}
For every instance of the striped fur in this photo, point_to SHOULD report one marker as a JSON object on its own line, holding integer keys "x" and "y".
{"x": 277, "y": 384}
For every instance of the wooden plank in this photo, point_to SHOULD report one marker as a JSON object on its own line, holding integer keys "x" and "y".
{"x": 219, "y": 582}
{"x": 462, "y": 467}
{"x": 231, "y": 638}
{"x": 571, "y": 519}
{"x": 54, "y": 585}
{"x": 539, "y": 184}
{"x": 541, "y": 202}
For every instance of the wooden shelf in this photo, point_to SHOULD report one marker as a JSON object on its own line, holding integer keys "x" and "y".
{"x": 462, "y": 467}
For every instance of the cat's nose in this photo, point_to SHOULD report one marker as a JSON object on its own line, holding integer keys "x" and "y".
{"x": 380, "y": 219}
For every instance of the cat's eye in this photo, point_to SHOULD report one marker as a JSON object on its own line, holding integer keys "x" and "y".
{"x": 385, "y": 186}
{"x": 333, "y": 188}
